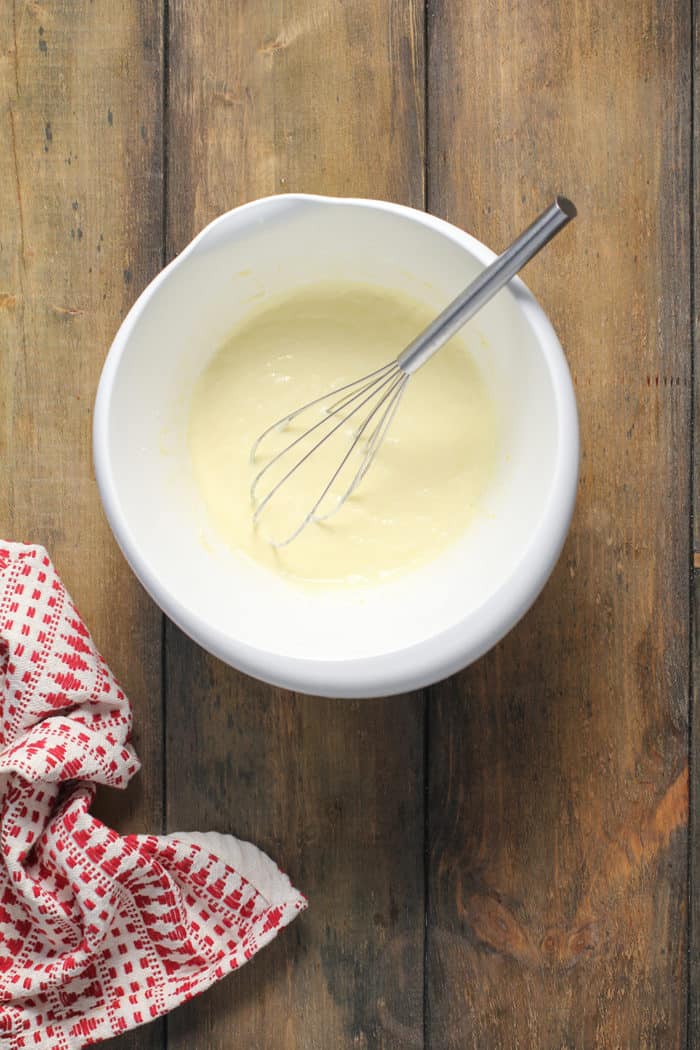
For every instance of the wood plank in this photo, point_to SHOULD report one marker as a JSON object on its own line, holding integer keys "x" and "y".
{"x": 322, "y": 97}
{"x": 80, "y": 200}
{"x": 694, "y": 828}
{"x": 694, "y": 856}
{"x": 557, "y": 772}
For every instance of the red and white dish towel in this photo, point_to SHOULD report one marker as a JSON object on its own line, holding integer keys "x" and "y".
{"x": 99, "y": 932}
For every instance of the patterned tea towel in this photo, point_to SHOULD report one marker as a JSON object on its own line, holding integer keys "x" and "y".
{"x": 98, "y": 932}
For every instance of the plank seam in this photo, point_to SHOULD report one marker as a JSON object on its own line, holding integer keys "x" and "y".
{"x": 426, "y": 103}
{"x": 165, "y": 98}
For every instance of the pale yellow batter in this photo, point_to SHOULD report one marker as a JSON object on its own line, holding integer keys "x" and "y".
{"x": 427, "y": 480}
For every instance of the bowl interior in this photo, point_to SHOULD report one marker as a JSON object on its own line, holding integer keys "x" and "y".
{"x": 168, "y": 338}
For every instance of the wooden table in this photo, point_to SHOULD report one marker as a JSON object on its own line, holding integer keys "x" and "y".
{"x": 502, "y": 860}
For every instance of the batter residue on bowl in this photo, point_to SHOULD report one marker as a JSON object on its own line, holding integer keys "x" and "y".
{"x": 428, "y": 478}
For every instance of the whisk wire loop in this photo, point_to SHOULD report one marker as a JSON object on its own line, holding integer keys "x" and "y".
{"x": 385, "y": 378}
{"x": 398, "y": 383}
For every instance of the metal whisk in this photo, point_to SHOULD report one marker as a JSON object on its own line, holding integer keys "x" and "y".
{"x": 379, "y": 393}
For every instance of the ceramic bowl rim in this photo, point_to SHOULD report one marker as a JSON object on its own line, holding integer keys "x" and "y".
{"x": 422, "y": 663}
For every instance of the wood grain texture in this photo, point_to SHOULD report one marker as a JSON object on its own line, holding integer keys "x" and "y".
{"x": 694, "y": 824}
{"x": 80, "y": 221}
{"x": 557, "y": 774}
{"x": 558, "y": 785}
{"x": 694, "y": 857}
{"x": 324, "y": 97}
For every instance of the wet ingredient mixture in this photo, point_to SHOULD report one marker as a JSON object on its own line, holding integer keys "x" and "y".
{"x": 425, "y": 484}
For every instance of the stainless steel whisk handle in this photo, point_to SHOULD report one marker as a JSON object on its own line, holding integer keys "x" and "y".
{"x": 485, "y": 286}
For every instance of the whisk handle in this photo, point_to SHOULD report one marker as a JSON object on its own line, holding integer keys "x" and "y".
{"x": 485, "y": 286}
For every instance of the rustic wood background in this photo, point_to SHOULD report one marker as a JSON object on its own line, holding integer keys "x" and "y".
{"x": 501, "y": 861}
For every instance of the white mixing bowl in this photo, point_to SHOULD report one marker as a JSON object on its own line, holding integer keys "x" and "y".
{"x": 347, "y": 643}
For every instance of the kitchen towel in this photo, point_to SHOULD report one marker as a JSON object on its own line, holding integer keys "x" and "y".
{"x": 99, "y": 932}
